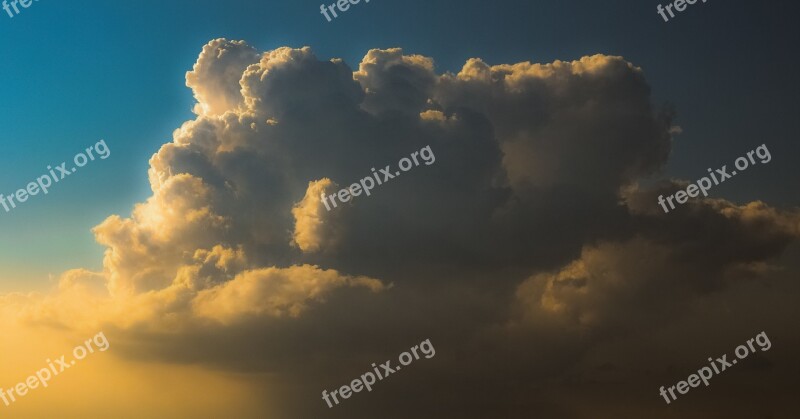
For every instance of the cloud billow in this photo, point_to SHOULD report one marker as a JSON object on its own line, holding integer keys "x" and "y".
{"x": 530, "y": 227}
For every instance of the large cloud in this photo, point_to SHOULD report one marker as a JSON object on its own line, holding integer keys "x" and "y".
{"x": 522, "y": 252}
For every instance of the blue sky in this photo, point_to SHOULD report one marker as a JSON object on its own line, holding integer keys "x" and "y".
{"x": 72, "y": 73}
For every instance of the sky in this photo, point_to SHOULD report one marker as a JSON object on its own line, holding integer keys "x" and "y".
{"x": 201, "y": 249}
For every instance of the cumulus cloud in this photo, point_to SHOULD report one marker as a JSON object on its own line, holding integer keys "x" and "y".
{"x": 215, "y": 77}
{"x": 314, "y": 223}
{"x": 271, "y": 291}
{"x": 393, "y": 81}
{"x": 522, "y": 253}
